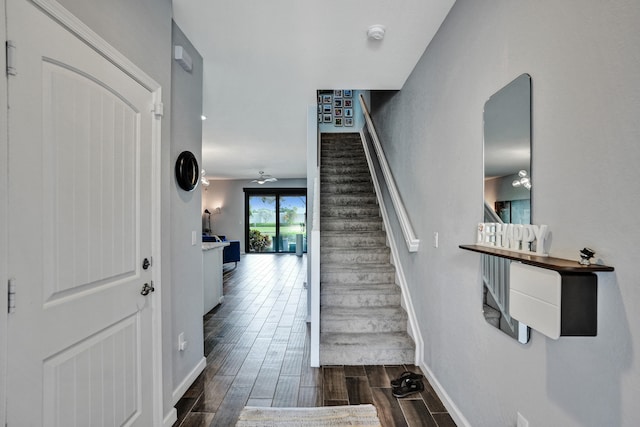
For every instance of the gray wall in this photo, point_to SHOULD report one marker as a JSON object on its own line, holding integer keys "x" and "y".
{"x": 186, "y": 259}
{"x": 229, "y": 196}
{"x": 584, "y": 63}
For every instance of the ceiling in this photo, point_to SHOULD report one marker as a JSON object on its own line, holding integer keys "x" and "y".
{"x": 264, "y": 61}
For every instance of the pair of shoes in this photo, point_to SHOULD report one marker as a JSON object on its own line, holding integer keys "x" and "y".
{"x": 408, "y": 386}
{"x": 405, "y": 375}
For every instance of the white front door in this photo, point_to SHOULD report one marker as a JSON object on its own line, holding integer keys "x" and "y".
{"x": 79, "y": 212}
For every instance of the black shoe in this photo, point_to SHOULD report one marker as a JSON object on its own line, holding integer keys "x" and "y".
{"x": 407, "y": 387}
{"x": 405, "y": 375}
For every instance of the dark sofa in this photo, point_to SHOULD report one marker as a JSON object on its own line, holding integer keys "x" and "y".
{"x": 230, "y": 253}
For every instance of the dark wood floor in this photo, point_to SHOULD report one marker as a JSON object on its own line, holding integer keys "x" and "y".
{"x": 257, "y": 349}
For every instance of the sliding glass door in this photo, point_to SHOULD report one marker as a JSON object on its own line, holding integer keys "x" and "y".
{"x": 276, "y": 220}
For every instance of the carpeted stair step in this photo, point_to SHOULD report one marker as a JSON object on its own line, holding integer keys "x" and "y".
{"x": 348, "y": 199}
{"x": 349, "y": 211}
{"x": 363, "y": 319}
{"x": 347, "y": 225}
{"x": 367, "y": 295}
{"x": 332, "y": 239}
{"x": 347, "y": 187}
{"x": 343, "y": 160}
{"x": 350, "y": 256}
{"x": 352, "y": 274}
{"x": 366, "y": 349}
{"x": 346, "y": 169}
{"x": 353, "y": 177}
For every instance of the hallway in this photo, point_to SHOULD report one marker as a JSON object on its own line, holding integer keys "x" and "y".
{"x": 257, "y": 350}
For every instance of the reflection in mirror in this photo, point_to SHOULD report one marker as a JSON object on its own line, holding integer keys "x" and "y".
{"x": 507, "y": 190}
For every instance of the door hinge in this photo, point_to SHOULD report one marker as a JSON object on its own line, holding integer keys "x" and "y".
{"x": 158, "y": 109}
{"x": 11, "y": 294}
{"x": 10, "y": 57}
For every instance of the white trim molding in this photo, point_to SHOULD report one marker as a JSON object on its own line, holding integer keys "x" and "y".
{"x": 188, "y": 380}
{"x": 452, "y": 408}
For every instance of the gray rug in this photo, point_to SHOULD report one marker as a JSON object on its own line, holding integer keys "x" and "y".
{"x": 326, "y": 416}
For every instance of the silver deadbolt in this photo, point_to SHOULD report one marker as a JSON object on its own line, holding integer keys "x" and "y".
{"x": 146, "y": 288}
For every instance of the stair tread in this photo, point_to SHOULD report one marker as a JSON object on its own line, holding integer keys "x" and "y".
{"x": 377, "y": 288}
{"x": 381, "y": 339}
{"x": 349, "y": 311}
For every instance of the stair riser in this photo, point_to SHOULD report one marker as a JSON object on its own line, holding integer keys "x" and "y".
{"x": 351, "y": 178}
{"x": 347, "y": 355}
{"x": 351, "y": 225}
{"x": 361, "y": 241}
{"x": 359, "y": 300}
{"x": 362, "y": 325}
{"x": 350, "y": 211}
{"x": 347, "y": 188}
{"x": 356, "y": 277}
{"x": 347, "y": 199}
{"x": 347, "y": 161}
{"x": 345, "y": 169}
{"x": 355, "y": 257}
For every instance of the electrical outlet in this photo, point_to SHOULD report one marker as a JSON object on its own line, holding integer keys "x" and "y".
{"x": 522, "y": 421}
{"x": 435, "y": 239}
{"x": 194, "y": 238}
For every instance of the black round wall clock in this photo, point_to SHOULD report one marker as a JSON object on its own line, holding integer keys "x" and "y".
{"x": 187, "y": 171}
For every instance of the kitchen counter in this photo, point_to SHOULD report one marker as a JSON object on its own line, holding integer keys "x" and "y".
{"x": 212, "y": 274}
{"x": 206, "y": 246}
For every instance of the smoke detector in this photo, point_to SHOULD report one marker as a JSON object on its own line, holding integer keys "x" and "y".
{"x": 376, "y": 32}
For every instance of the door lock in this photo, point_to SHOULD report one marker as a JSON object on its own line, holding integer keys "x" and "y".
{"x": 146, "y": 288}
{"x": 145, "y": 264}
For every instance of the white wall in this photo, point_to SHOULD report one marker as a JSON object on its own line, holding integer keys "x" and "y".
{"x": 584, "y": 63}
{"x": 229, "y": 196}
{"x": 186, "y": 259}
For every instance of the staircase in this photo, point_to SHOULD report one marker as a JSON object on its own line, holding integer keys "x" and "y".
{"x": 362, "y": 321}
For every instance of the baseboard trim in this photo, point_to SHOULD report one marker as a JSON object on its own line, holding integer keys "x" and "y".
{"x": 452, "y": 408}
{"x": 170, "y": 418}
{"x": 190, "y": 378}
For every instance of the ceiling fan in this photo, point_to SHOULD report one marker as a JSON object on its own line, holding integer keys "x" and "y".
{"x": 264, "y": 178}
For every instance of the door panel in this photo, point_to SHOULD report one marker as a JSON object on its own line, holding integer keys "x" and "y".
{"x": 79, "y": 208}
{"x": 90, "y": 179}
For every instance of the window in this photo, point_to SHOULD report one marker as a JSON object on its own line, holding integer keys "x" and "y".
{"x": 275, "y": 219}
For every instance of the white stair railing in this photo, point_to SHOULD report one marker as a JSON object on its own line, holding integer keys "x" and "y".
{"x": 368, "y": 133}
{"x": 495, "y": 273}
{"x": 410, "y": 238}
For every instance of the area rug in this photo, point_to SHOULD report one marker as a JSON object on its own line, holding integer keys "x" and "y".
{"x": 326, "y": 416}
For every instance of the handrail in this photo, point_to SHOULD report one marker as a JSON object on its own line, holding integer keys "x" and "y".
{"x": 410, "y": 238}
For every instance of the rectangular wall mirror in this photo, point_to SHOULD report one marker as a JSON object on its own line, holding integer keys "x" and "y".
{"x": 507, "y": 190}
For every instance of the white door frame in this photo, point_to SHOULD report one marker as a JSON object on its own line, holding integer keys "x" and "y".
{"x": 82, "y": 31}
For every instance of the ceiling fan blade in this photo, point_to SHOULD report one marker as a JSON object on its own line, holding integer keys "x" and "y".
{"x": 271, "y": 179}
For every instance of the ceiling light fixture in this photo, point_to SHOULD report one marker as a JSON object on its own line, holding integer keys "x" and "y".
{"x": 203, "y": 178}
{"x": 524, "y": 180}
{"x": 264, "y": 178}
{"x": 376, "y": 32}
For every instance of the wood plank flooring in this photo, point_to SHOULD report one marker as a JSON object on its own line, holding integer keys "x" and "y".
{"x": 257, "y": 348}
